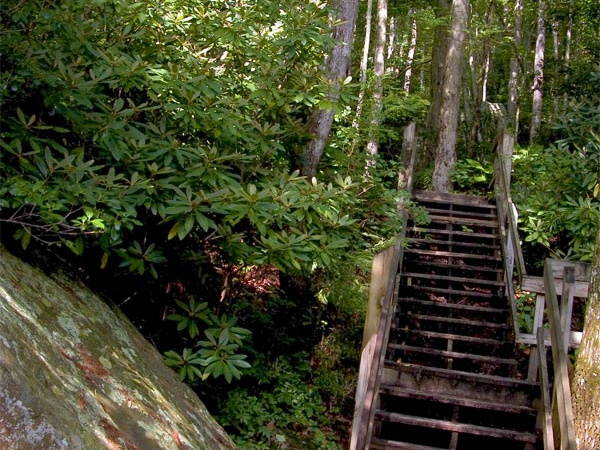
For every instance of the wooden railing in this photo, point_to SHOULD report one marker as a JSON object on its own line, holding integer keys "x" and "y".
{"x": 383, "y": 292}
{"x": 556, "y": 408}
{"x": 572, "y": 280}
{"x": 507, "y": 219}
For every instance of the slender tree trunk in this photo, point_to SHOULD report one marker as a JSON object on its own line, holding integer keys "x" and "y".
{"x": 445, "y": 156}
{"x": 586, "y": 383}
{"x": 422, "y": 72}
{"x": 379, "y": 69}
{"x": 568, "y": 40}
{"x": 411, "y": 51}
{"x": 556, "y": 60}
{"x": 337, "y": 65}
{"x": 538, "y": 74}
{"x": 391, "y": 47}
{"x": 364, "y": 63}
{"x": 482, "y": 74}
{"x": 512, "y": 119}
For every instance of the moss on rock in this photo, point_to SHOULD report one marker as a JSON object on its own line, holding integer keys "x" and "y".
{"x": 75, "y": 374}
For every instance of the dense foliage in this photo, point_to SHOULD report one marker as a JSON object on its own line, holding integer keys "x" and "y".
{"x": 558, "y": 188}
{"x": 160, "y": 141}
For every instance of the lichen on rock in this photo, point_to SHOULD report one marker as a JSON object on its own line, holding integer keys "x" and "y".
{"x": 75, "y": 374}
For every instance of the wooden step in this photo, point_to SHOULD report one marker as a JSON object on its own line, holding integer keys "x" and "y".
{"x": 412, "y": 230}
{"x": 455, "y": 306}
{"x": 429, "y": 242}
{"x": 469, "y": 322}
{"x": 454, "y": 255}
{"x": 385, "y": 444}
{"x": 445, "y": 198}
{"x": 453, "y": 355}
{"x": 470, "y": 377}
{"x": 454, "y": 279}
{"x": 448, "y": 265}
{"x": 463, "y": 221}
{"x": 463, "y": 214}
{"x": 455, "y": 427}
{"x": 457, "y": 400}
{"x": 452, "y": 291}
{"x": 456, "y": 337}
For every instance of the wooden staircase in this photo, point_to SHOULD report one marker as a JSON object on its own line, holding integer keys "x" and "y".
{"x": 450, "y": 379}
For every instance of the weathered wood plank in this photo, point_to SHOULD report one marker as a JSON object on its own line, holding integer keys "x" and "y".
{"x": 546, "y": 411}
{"x": 516, "y": 244}
{"x": 486, "y": 295}
{"x": 473, "y": 200}
{"x": 456, "y": 306}
{"x": 559, "y": 356}
{"x": 449, "y": 354}
{"x": 447, "y": 265}
{"x": 457, "y": 279}
{"x": 492, "y": 380}
{"x": 536, "y": 284}
{"x": 530, "y": 339}
{"x": 454, "y": 426}
{"x": 457, "y": 337}
{"x": 582, "y": 270}
{"x": 380, "y": 272}
{"x": 477, "y": 323}
{"x": 456, "y": 400}
{"x": 462, "y": 214}
{"x": 454, "y": 232}
{"x": 566, "y": 305}
{"x": 463, "y": 221}
{"x": 360, "y": 408}
{"x": 385, "y": 444}
{"x": 453, "y": 243}
{"x": 454, "y": 256}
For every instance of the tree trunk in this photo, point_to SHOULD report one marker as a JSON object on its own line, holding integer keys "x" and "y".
{"x": 364, "y": 63}
{"x": 391, "y": 46}
{"x": 586, "y": 383}
{"x": 445, "y": 156}
{"x": 337, "y": 65}
{"x": 411, "y": 50}
{"x": 568, "y": 39}
{"x": 538, "y": 77}
{"x": 379, "y": 69}
{"x": 482, "y": 75}
{"x": 512, "y": 119}
{"x": 438, "y": 58}
{"x": 556, "y": 60}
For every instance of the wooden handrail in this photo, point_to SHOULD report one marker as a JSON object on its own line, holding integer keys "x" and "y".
{"x": 556, "y": 409}
{"x": 507, "y": 219}
{"x": 561, "y": 410}
{"x": 507, "y": 211}
{"x": 546, "y": 406}
{"x": 375, "y": 338}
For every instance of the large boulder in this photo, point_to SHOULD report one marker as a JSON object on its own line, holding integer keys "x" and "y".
{"x": 76, "y": 375}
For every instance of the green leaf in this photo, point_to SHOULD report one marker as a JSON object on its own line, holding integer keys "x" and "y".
{"x": 224, "y": 337}
{"x": 173, "y": 231}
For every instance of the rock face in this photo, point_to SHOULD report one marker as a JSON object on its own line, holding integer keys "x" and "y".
{"x": 76, "y": 375}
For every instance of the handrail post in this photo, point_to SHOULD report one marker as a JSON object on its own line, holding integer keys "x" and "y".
{"x": 546, "y": 412}
{"x": 507, "y": 218}
{"x": 566, "y": 304}
{"x": 562, "y": 389}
